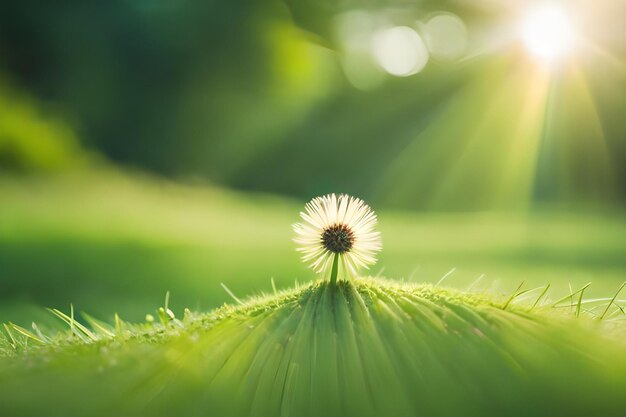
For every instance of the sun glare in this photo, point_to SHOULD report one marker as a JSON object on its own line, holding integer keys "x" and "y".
{"x": 547, "y": 33}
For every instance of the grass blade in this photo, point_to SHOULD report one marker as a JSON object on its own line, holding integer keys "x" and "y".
{"x": 613, "y": 300}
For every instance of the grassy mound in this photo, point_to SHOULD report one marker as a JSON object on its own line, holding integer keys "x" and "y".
{"x": 364, "y": 348}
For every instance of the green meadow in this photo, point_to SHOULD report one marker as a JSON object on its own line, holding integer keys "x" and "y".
{"x": 111, "y": 242}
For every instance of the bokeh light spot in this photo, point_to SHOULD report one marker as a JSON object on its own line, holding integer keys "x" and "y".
{"x": 399, "y": 50}
{"x": 446, "y": 37}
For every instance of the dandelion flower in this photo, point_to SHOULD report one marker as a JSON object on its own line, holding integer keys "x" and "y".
{"x": 337, "y": 231}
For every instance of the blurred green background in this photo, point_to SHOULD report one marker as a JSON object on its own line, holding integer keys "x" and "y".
{"x": 148, "y": 146}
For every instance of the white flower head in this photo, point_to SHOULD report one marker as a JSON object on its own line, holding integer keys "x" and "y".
{"x": 339, "y": 228}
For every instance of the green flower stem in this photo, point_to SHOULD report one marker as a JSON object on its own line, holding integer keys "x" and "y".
{"x": 335, "y": 269}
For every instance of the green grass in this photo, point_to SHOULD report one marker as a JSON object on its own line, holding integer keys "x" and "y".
{"x": 111, "y": 243}
{"x": 368, "y": 347}
{"x": 108, "y": 242}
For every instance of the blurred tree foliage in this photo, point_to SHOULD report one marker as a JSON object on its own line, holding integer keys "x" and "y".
{"x": 134, "y": 72}
{"x": 32, "y": 139}
{"x": 251, "y": 94}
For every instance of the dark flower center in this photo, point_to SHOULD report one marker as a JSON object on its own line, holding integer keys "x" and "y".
{"x": 338, "y": 238}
